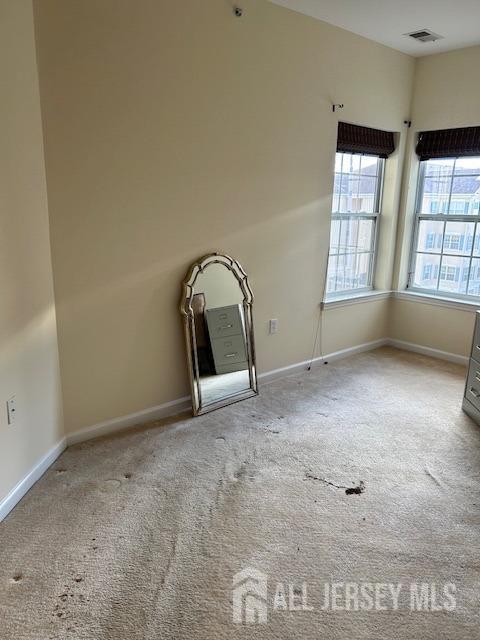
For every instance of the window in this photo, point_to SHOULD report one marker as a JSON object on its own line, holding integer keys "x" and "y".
{"x": 448, "y": 273}
{"x": 427, "y": 272}
{"x": 447, "y": 229}
{"x": 430, "y": 240}
{"x": 453, "y": 241}
{"x": 355, "y": 209}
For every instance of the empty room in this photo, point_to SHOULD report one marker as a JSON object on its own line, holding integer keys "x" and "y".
{"x": 239, "y": 319}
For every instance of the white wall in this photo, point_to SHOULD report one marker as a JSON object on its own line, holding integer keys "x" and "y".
{"x": 353, "y": 325}
{"x": 173, "y": 129}
{"x": 28, "y": 338}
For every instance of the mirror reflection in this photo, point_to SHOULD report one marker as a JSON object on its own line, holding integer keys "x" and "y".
{"x": 219, "y": 333}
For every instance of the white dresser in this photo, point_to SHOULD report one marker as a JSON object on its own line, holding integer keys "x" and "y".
{"x": 227, "y": 338}
{"x": 471, "y": 400}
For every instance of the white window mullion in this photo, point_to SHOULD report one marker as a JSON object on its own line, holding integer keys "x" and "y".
{"x": 338, "y": 254}
{"x": 351, "y": 209}
{"x": 441, "y": 256}
{"x": 451, "y": 186}
{"x": 471, "y": 259}
{"x": 455, "y": 253}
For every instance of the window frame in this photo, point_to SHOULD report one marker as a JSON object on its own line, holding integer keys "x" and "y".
{"x": 440, "y": 217}
{"x": 375, "y": 216}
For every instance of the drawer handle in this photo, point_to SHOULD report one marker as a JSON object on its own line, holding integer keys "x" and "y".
{"x": 226, "y": 326}
{"x": 230, "y": 355}
{"x": 222, "y": 316}
{"x": 474, "y": 392}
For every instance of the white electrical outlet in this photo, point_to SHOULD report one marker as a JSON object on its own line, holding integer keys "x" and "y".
{"x": 273, "y": 325}
{"x": 11, "y": 410}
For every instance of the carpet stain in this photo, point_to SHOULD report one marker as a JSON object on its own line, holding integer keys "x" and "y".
{"x": 358, "y": 489}
{"x": 310, "y": 476}
{"x": 241, "y": 472}
{"x": 109, "y": 485}
{"x": 269, "y": 430}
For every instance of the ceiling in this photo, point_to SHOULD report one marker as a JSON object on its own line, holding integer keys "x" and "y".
{"x": 386, "y": 21}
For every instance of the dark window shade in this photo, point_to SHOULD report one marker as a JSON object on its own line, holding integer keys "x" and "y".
{"x": 448, "y": 143}
{"x": 355, "y": 139}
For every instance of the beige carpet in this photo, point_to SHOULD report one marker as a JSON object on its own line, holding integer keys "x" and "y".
{"x": 138, "y": 536}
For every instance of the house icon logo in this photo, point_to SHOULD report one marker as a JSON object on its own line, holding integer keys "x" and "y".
{"x": 250, "y": 597}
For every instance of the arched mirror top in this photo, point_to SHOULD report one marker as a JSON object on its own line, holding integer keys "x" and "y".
{"x": 198, "y": 268}
{"x": 216, "y": 307}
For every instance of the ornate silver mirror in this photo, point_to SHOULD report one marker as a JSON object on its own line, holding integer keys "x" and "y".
{"x": 217, "y": 311}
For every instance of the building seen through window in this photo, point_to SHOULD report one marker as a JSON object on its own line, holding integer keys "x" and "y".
{"x": 446, "y": 256}
{"x": 355, "y": 209}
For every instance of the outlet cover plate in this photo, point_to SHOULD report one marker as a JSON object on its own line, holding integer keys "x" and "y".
{"x": 11, "y": 410}
{"x": 273, "y": 325}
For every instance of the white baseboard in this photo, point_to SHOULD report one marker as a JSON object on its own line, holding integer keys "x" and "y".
{"x": 428, "y": 351}
{"x": 276, "y": 374}
{"x": 124, "y": 422}
{"x": 17, "y": 493}
{"x": 270, "y": 376}
{"x": 181, "y": 404}
{"x": 359, "y": 348}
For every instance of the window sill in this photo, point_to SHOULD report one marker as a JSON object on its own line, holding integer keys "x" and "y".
{"x": 355, "y": 298}
{"x": 411, "y": 296}
{"x": 439, "y": 301}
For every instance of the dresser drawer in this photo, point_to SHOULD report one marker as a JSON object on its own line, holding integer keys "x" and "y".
{"x": 476, "y": 342}
{"x": 472, "y": 391}
{"x": 224, "y": 321}
{"x": 229, "y": 350}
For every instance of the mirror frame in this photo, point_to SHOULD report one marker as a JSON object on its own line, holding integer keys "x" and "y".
{"x": 186, "y": 310}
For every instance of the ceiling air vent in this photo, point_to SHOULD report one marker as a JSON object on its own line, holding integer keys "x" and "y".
{"x": 424, "y": 35}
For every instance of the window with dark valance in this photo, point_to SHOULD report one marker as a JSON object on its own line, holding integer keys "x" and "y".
{"x": 446, "y": 241}
{"x": 364, "y": 140}
{"x": 449, "y": 143}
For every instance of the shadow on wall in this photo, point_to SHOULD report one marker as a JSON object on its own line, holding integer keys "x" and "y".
{"x": 122, "y": 339}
